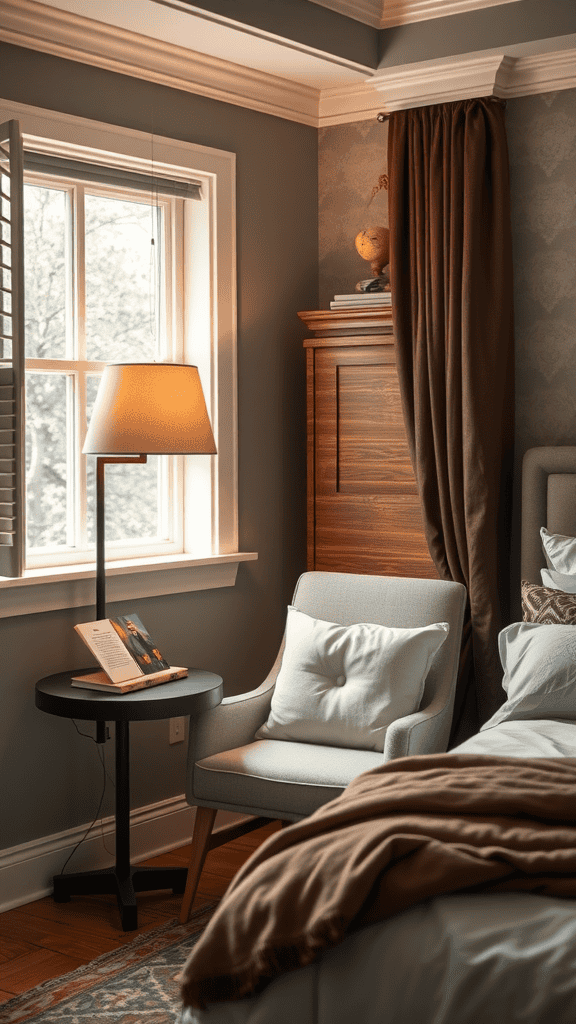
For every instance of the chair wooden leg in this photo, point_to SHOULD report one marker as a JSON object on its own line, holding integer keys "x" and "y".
{"x": 200, "y": 841}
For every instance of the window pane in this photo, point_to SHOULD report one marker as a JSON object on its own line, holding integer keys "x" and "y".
{"x": 45, "y": 271}
{"x": 132, "y": 501}
{"x": 131, "y": 492}
{"x": 122, "y": 291}
{"x": 46, "y": 469}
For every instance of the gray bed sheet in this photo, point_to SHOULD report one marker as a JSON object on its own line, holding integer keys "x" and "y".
{"x": 539, "y": 738}
{"x": 469, "y": 959}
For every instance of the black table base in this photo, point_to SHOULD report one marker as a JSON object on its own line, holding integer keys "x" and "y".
{"x": 122, "y": 879}
{"x": 108, "y": 881}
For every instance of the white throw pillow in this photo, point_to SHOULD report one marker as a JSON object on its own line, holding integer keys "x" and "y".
{"x": 560, "y": 551}
{"x": 539, "y": 663}
{"x": 343, "y": 685}
{"x": 558, "y": 580}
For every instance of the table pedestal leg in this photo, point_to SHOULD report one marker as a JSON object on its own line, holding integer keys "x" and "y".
{"x": 122, "y": 879}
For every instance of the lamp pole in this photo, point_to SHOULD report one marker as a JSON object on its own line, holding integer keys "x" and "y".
{"x": 101, "y": 462}
{"x": 100, "y": 556}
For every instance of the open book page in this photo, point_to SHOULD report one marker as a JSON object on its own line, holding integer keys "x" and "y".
{"x": 107, "y": 647}
{"x": 123, "y": 647}
{"x": 139, "y": 643}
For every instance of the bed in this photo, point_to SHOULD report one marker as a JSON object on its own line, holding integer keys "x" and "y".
{"x": 504, "y": 949}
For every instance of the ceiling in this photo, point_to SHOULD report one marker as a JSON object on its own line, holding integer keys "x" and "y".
{"x": 178, "y": 23}
{"x": 315, "y": 61}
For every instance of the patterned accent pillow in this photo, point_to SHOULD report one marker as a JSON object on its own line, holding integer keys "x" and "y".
{"x": 550, "y": 607}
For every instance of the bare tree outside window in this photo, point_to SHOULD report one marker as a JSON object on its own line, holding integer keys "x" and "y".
{"x": 95, "y": 286}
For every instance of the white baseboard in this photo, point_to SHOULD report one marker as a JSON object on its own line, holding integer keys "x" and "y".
{"x": 26, "y": 871}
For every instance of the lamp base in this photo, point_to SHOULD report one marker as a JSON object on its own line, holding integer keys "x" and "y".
{"x": 109, "y": 881}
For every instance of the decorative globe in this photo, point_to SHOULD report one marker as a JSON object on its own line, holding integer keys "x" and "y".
{"x": 373, "y": 244}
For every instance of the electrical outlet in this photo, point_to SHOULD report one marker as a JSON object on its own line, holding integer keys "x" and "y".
{"x": 177, "y": 730}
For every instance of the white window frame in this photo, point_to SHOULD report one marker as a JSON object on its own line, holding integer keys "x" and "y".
{"x": 207, "y": 287}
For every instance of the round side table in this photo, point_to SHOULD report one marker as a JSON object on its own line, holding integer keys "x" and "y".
{"x": 196, "y": 693}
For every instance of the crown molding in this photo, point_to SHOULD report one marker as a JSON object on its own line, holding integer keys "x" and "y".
{"x": 50, "y": 30}
{"x": 344, "y": 105}
{"x": 420, "y": 86}
{"x": 62, "y": 34}
{"x": 442, "y": 82}
{"x": 404, "y": 12}
{"x": 544, "y": 72}
{"x": 388, "y": 13}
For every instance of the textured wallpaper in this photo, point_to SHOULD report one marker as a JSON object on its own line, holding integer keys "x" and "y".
{"x": 542, "y": 144}
{"x": 351, "y": 158}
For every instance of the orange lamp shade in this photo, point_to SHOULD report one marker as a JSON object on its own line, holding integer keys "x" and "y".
{"x": 152, "y": 409}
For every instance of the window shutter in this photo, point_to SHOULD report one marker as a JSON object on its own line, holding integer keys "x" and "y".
{"x": 12, "y": 479}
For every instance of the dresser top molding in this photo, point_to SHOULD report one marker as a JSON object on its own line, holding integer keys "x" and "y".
{"x": 363, "y": 326}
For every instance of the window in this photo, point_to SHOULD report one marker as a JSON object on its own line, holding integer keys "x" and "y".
{"x": 117, "y": 268}
{"x": 100, "y": 264}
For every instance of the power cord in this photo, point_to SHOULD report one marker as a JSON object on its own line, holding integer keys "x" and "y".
{"x": 105, "y": 775}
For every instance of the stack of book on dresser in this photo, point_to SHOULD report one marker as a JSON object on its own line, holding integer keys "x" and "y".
{"x": 362, "y": 300}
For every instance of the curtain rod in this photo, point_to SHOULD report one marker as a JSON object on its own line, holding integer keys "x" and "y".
{"x": 495, "y": 99}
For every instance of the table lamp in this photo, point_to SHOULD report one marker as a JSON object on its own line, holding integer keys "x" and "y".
{"x": 143, "y": 409}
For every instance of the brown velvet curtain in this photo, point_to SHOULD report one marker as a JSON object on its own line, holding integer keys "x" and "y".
{"x": 452, "y": 303}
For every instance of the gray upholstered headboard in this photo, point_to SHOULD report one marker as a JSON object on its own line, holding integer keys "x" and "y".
{"x": 548, "y": 499}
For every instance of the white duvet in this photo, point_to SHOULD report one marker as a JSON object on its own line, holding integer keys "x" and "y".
{"x": 471, "y": 959}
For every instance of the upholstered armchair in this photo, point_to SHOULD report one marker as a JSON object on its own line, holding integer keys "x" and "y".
{"x": 286, "y": 778}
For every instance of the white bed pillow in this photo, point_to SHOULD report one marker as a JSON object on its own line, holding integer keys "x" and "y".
{"x": 559, "y": 580}
{"x": 539, "y": 663}
{"x": 560, "y": 551}
{"x": 343, "y": 685}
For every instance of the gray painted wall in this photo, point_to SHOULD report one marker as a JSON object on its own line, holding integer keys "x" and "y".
{"x": 52, "y": 777}
{"x": 304, "y": 22}
{"x": 511, "y": 28}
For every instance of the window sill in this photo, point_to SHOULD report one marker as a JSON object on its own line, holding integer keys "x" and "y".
{"x": 42, "y": 590}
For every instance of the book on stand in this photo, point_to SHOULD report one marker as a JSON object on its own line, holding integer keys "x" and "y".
{"x": 129, "y": 657}
{"x": 361, "y": 299}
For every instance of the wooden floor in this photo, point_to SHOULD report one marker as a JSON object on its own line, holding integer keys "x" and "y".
{"x": 44, "y": 940}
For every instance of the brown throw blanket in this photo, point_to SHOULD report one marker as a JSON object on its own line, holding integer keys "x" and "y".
{"x": 415, "y": 828}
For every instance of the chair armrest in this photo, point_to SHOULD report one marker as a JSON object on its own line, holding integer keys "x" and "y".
{"x": 423, "y": 732}
{"x": 233, "y": 722}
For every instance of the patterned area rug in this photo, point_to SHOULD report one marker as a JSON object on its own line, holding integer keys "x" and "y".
{"x": 132, "y": 985}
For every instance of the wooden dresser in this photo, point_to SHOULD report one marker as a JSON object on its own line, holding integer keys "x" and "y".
{"x": 363, "y": 509}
